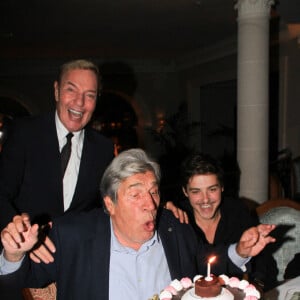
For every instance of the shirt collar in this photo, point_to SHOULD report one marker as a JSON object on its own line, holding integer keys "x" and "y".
{"x": 62, "y": 131}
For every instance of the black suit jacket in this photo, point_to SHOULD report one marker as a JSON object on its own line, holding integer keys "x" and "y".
{"x": 81, "y": 266}
{"x": 30, "y": 175}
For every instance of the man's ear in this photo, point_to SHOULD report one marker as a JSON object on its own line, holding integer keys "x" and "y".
{"x": 184, "y": 191}
{"x": 56, "y": 92}
{"x": 109, "y": 204}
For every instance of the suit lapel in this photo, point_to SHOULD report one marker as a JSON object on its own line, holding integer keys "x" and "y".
{"x": 167, "y": 233}
{"x": 101, "y": 253}
{"x": 85, "y": 165}
{"x": 52, "y": 155}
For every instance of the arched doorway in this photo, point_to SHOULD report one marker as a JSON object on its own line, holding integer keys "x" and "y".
{"x": 9, "y": 110}
{"x": 115, "y": 118}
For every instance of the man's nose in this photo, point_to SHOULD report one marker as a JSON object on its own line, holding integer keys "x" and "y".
{"x": 80, "y": 99}
{"x": 205, "y": 196}
{"x": 150, "y": 203}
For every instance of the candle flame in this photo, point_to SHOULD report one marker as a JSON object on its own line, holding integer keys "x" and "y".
{"x": 212, "y": 259}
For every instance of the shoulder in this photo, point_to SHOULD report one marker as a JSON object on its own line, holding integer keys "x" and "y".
{"x": 168, "y": 223}
{"x": 81, "y": 224}
{"x": 29, "y": 128}
{"x": 95, "y": 137}
{"x": 33, "y": 123}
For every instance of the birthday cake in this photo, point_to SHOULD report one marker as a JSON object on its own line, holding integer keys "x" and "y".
{"x": 212, "y": 288}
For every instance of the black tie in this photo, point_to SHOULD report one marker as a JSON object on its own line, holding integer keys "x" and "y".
{"x": 66, "y": 153}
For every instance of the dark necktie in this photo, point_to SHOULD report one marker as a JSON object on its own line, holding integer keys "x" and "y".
{"x": 66, "y": 153}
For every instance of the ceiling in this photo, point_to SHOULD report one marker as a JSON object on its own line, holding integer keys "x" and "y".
{"x": 118, "y": 28}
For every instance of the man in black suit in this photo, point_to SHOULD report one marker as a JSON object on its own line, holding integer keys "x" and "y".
{"x": 30, "y": 166}
{"x": 131, "y": 252}
{"x": 31, "y": 178}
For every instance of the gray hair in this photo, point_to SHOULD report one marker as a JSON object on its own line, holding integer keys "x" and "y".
{"x": 124, "y": 165}
{"x": 79, "y": 64}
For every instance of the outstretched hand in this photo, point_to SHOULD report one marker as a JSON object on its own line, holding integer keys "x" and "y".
{"x": 254, "y": 240}
{"x": 18, "y": 237}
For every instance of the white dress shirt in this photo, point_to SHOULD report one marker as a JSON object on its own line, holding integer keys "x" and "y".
{"x": 71, "y": 174}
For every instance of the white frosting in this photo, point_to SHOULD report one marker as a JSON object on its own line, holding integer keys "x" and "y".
{"x": 250, "y": 291}
{"x": 165, "y": 295}
{"x": 176, "y": 284}
{"x": 225, "y": 278}
{"x": 224, "y": 295}
{"x": 197, "y": 277}
{"x": 243, "y": 284}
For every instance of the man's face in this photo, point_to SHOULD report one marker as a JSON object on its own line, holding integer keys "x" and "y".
{"x": 204, "y": 193}
{"x": 76, "y": 97}
{"x": 134, "y": 214}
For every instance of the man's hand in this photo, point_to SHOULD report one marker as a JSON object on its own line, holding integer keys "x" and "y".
{"x": 18, "y": 237}
{"x": 44, "y": 250}
{"x": 178, "y": 213}
{"x": 254, "y": 240}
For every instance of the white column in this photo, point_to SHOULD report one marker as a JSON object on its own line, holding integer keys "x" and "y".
{"x": 253, "y": 97}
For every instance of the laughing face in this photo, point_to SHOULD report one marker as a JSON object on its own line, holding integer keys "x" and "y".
{"x": 76, "y": 96}
{"x": 204, "y": 193}
{"x": 133, "y": 216}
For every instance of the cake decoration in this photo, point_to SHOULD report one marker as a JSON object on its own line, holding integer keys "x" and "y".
{"x": 215, "y": 288}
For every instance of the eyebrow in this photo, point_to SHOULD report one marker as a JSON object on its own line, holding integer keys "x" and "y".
{"x": 74, "y": 85}
{"x": 154, "y": 184}
{"x": 209, "y": 187}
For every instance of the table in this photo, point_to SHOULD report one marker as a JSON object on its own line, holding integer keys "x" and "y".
{"x": 279, "y": 292}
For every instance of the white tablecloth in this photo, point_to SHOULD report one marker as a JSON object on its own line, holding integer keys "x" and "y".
{"x": 279, "y": 292}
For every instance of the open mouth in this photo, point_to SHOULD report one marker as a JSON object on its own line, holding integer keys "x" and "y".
{"x": 75, "y": 113}
{"x": 206, "y": 206}
{"x": 150, "y": 225}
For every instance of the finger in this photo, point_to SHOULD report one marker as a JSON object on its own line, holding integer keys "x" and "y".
{"x": 43, "y": 254}
{"x": 33, "y": 232}
{"x": 49, "y": 244}
{"x": 180, "y": 215}
{"x": 8, "y": 240}
{"x": 15, "y": 231}
{"x": 26, "y": 220}
{"x": 186, "y": 218}
{"x": 265, "y": 229}
{"x": 175, "y": 211}
{"x": 19, "y": 224}
{"x": 34, "y": 258}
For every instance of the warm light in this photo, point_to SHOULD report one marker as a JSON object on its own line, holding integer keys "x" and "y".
{"x": 208, "y": 277}
{"x": 212, "y": 259}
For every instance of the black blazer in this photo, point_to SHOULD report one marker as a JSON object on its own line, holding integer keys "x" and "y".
{"x": 30, "y": 175}
{"x": 81, "y": 266}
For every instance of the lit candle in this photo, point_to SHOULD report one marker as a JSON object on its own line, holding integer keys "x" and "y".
{"x": 208, "y": 277}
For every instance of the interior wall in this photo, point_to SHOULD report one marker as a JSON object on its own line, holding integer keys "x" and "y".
{"x": 289, "y": 121}
{"x": 153, "y": 86}
{"x": 197, "y": 79}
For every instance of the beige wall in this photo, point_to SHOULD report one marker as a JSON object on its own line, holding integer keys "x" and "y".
{"x": 289, "y": 100}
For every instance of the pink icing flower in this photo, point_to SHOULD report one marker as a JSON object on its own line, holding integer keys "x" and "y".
{"x": 165, "y": 295}
{"x": 176, "y": 284}
{"x": 249, "y": 297}
{"x": 171, "y": 289}
{"x": 243, "y": 284}
{"x": 186, "y": 282}
{"x": 250, "y": 290}
{"x": 234, "y": 282}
